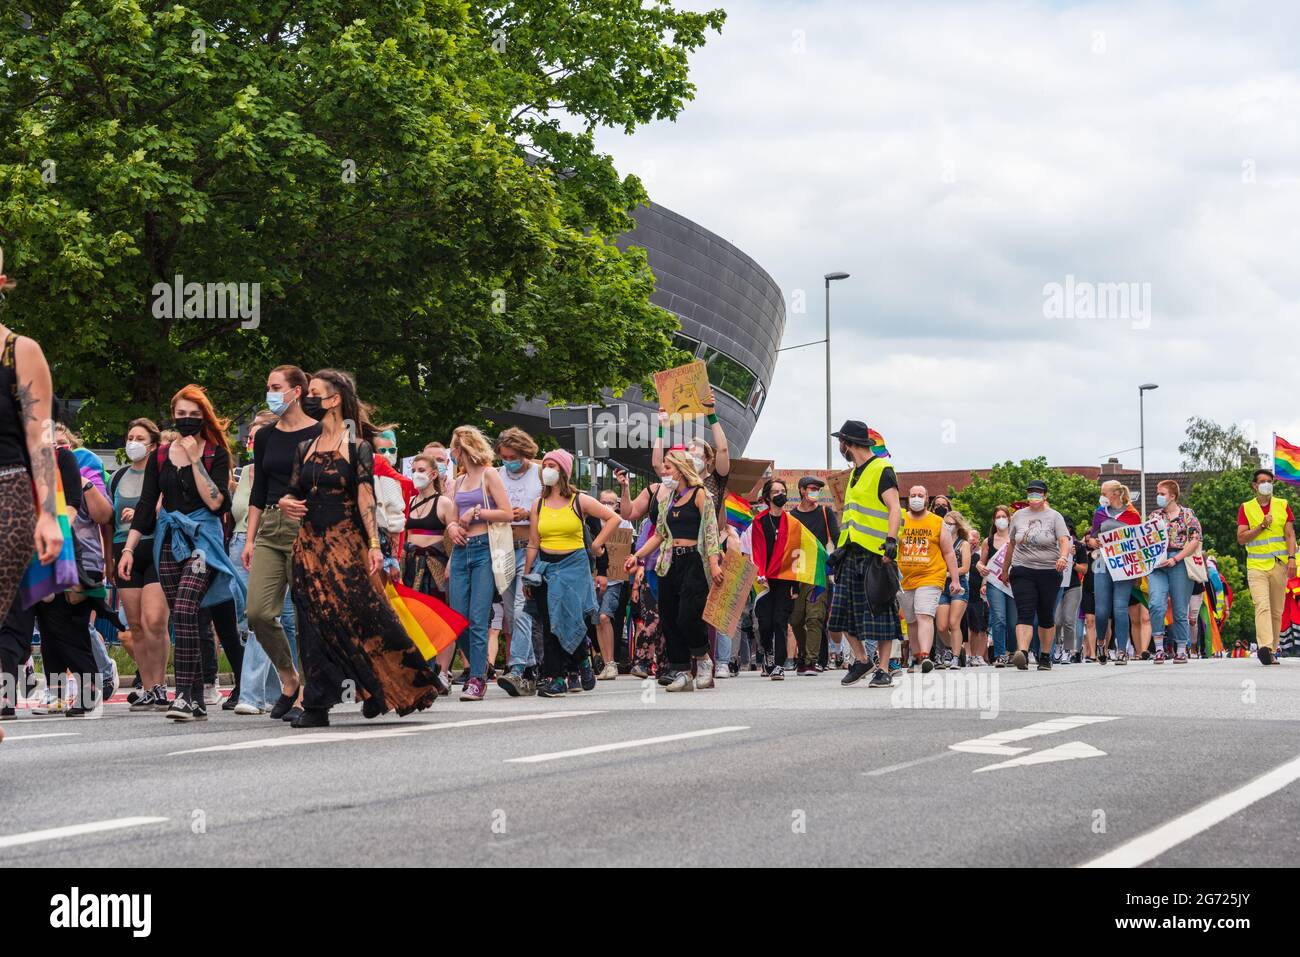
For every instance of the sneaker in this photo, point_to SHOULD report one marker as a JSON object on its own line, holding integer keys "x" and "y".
{"x": 608, "y": 673}
{"x": 703, "y": 673}
{"x": 511, "y": 682}
{"x": 283, "y": 705}
{"x": 231, "y": 702}
{"x": 682, "y": 681}
{"x": 461, "y": 678}
{"x": 211, "y": 695}
{"x": 1146, "y": 655}
{"x": 640, "y": 669}
{"x": 134, "y": 696}
{"x": 804, "y": 669}
{"x": 1000, "y": 661}
{"x": 552, "y": 688}
{"x": 575, "y": 683}
{"x": 311, "y": 719}
{"x": 789, "y": 665}
{"x": 927, "y": 665}
{"x": 143, "y": 701}
{"x": 292, "y": 715}
{"x": 1159, "y": 657}
{"x": 945, "y": 660}
{"x": 1103, "y": 656}
{"x": 528, "y": 686}
{"x": 1044, "y": 662}
{"x": 245, "y": 708}
{"x": 666, "y": 677}
{"x": 777, "y": 673}
{"x": 722, "y": 670}
{"x": 1121, "y": 658}
{"x": 1077, "y": 658}
{"x": 1180, "y": 658}
{"x": 857, "y": 671}
{"x": 444, "y": 683}
{"x": 1265, "y": 654}
{"x": 8, "y": 714}
{"x": 183, "y": 710}
{"x": 49, "y": 703}
{"x": 474, "y": 690}
{"x": 881, "y": 679}
{"x": 114, "y": 680}
{"x": 1020, "y": 660}
{"x": 588, "y": 675}
{"x": 734, "y": 668}
{"x": 160, "y": 702}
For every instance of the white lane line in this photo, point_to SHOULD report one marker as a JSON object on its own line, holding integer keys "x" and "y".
{"x": 997, "y": 742}
{"x": 906, "y": 764}
{"x": 400, "y": 731}
{"x": 619, "y": 745}
{"x": 1152, "y": 844}
{"x": 33, "y": 737}
{"x": 94, "y": 827}
{"x": 1063, "y": 752}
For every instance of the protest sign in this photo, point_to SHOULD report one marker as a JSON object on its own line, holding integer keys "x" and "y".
{"x": 791, "y": 479}
{"x": 726, "y": 602}
{"x": 618, "y": 547}
{"x": 995, "y": 571}
{"x": 1134, "y": 551}
{"x": 747, "y": 475}
{"x": 682, "y": 390}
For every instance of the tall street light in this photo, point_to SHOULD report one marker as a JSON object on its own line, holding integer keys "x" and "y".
{"x": 1142, "y": 442}
{"x": 830, "y": 277}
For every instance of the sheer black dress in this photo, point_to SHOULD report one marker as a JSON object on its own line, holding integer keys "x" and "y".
{"x": 347, "y": 630}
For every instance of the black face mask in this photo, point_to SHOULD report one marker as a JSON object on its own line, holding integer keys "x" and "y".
{"x": 311, "y": 405}
{"x": 941, "y": 510}
{"x": 778, "y": 501}
{"x": 188, "y": 427}
{"x": 847, "y": 453}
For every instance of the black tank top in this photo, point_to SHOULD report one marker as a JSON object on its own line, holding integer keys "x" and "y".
{"x": 684, "y": 520}
{"x": 430, "y": 523}
{"x": 13, "y": 437}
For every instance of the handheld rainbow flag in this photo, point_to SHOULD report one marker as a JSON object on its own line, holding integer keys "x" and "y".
{"x": 41, "y": 581}
{"x": 1286, "y": 460}
{"x": 877, "y": 444}
{"x": 441, "y": 624}
{"x": 796, "y": 555}
{"x": 740, "y": 514}
{"x": 1213, "y": 636}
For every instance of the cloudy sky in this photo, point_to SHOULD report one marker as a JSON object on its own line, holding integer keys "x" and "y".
{"x": 957, "y": 159}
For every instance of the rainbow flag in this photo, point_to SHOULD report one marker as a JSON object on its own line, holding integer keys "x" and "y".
{"x": 740, "y": 514}
{"x": 877, "y": 444}
{"x": 437, "y": 626}
{"x": 1286, "y": 460}
{"x": 1213, "y": 636}
{"x": 41, "y": 581}
{"x": 796, "y": 555}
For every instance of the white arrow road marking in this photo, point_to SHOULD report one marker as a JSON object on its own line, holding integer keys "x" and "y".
{"x": 335, "y": 737}
{"x": 1152, "y": 844}
{"x": 641, "y": 742}
{"x": 997, "y": 743}
{"x": 54, "y": 833}
{"x": 1064, "y": 752}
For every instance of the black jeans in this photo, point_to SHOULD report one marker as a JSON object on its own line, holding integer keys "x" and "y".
{"x": 223, "y": 618}
{"x": 556, "y": 662}
{"x": 682, "y": 594}
{"x": 15, "y": 648}
{"x": 773, "y": 612}
{"x": 65, "y": 646}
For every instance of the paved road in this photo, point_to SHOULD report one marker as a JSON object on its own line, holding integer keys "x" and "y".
{"x": 751, "y": 773}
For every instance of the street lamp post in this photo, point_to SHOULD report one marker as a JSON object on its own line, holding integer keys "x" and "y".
{"x": 830, "y": 277}
{"x": 1142, "y": 442}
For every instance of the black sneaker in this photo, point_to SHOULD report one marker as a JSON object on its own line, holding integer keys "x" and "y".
{"x": 231, "y": 701}
{"x": 137, "y": 683}
{"x": 857, "y": 671}
{"x": 160, "y": 700}
{"x": 552, "y": 688}
{"x": 1265, "y": 654}
{"x": 927, "y": 665}
{"x": 135, "y": 696}
{"x": 881, "y": 679}
{"x": 587, "y": 675}
{"x": 292, "y": 715}
{"x": 143, "y": 701}
{"x": 311, "y": 719}
{"x": 183, "y": 709}
{"x": 777, "y": 673}
{"x": 665, "y": 677}
{"x": 282, "y": 706}
{"x": 804, "y": 669}
{"x": 1020, "y": 660}
{"x": 8, "y": 714}
{"x": 1000, "y": 661}
{"x": 1044, "y": 662}
{"x": 575, "y": 683}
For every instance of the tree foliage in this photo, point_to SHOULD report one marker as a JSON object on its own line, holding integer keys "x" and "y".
{"x": 1210, "y": 447}
{"x": 393, "y": 174}
{"x": 1074, "y": 496}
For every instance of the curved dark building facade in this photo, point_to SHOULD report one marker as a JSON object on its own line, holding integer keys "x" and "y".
{"x": 732, "y": 316}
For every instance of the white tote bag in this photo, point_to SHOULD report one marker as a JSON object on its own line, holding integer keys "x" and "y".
{"x": 501, "y": 543}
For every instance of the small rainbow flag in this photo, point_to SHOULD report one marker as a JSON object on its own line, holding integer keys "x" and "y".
{"x": 740, "y": 514}
{"x": 431, "y": 624}
{"x": 1213, "y": 636}
{"x": 41, "y": 581}
{"x": 1286, "y": 460}
{"x": 796, "y": 555}
{"x": 877, "y": 444}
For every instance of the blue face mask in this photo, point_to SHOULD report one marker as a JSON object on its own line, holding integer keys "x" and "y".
{"x": 1162, "y": 500}
{"x": 275, "y": 402}
{"x": 515, "y": 466}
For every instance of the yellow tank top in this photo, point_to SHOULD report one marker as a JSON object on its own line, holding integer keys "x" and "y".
{"x": 559, "y": 529}
{"x": 920, "y": 559}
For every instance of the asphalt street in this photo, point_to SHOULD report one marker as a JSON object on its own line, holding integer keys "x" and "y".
{"x": 1145, "y": 765}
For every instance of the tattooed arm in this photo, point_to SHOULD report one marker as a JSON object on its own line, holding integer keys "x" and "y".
{"x": 209, "y": 486}
{"x": 364, "y": 467}
{"x": 35, "y": 396}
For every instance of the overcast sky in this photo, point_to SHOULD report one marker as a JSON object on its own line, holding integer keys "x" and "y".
{"x": 958, "y": 158}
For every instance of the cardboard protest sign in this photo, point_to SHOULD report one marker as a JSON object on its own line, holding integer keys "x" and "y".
{"x": 791, "y": 479}
{"x": 747, "y": 476}
{"x": 618, "y": 546}
{"x": 1134, "y": 551}
{"x": 838, "y": 484}
{"x": 995, "y": 571}
{"x": 682, "y": 390}
{"x": 726, "y": 602}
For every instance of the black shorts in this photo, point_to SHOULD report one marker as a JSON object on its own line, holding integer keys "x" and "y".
{"x": 143, "y": 572}
{"x": 1035, "y": 590}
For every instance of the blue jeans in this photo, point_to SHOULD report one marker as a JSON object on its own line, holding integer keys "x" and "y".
{"x": 1002, "y": 619}
{"x": 1112, "y": 602}
{"x": 259, "y": 685}
{"x": 517, "y": 619}
{"x": 470, "y": 587}
{"x": 1167, "y": 583}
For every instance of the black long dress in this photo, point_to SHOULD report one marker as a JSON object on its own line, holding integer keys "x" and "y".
{"x": 347, "y": 630}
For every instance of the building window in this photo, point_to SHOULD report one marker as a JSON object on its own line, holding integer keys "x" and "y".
{"x": 727, "y": 374}
{"x": 686, "y": 344}
{"x": 757, "y": 398}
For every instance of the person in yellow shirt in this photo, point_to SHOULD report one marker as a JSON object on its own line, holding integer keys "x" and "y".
{"x": 925, "y": 560}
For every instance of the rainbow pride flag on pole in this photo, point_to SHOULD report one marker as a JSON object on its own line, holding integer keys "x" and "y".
{"x": 1286, "y": 460}
{"x": 796, "y": 555}
{"x": 740, "y": 514}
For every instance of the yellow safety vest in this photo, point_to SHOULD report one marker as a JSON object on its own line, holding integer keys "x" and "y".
{"x": 1270, "y": 547}
{"x": 866, "y": 516}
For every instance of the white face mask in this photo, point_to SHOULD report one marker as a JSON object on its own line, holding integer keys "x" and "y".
{"x": 1103, "y": 501}
{"x": 550, "y": 476}
{"x": 1265, "y": 488}
{"x": 698, "y": 462}
{"x": 135, "y": 451}
{"x": 916, "y": 503}
{"x": 420, "y": 479}
{"x": 1001, "y": 523}
{"x": 669, "y": 484}
{"x": 391, "y": 455}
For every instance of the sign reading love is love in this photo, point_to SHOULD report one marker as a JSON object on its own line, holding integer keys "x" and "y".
{"x": 1134, "y": 550}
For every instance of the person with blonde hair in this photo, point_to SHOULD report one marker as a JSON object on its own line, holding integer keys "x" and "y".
{"x": 479, "y": 497}
{"x": 1115, "y": 510}
{"x": 687, "y": 528}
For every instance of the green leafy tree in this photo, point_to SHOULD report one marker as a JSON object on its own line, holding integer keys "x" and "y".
{"x": 392, "y": 175}
{"x": 1241, "y": 618}
{"x": 1215, "y": 500}
{"x": 1211, "y": 448}
{"x": 1074, "y": 496}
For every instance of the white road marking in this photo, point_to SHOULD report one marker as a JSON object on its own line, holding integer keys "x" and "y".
{"x": 1152, "y": 844}
{"x": 33, "y": 737}
{"x": 907, "y": 764}
{"x": 94, "y": 827}
{"x": 619, "y": 745}
{"x": 1064, "y": 752}
{"x": 997, "y": 743}
{"x": 400, "y": 731}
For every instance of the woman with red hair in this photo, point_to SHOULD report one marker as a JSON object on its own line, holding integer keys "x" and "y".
{"x": 191, "y": 477}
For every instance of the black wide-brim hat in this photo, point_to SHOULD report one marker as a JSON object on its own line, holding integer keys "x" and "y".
{"x": 854, "y": 431}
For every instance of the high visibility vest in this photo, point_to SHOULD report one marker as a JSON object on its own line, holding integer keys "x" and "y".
{"x": 1270, "y": 547}
{"x": 866, "y": 516}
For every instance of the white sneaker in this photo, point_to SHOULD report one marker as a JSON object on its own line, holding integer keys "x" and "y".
{"x": 244, "y": 708}
{"x": 72, "y": 690}
{"x": 681, "y": 682}
{"x": 48, "y": 703}
{"x": 704, "y": 672}
{"x": 211, "y": 695}
{"x": 722, "y": 670}
{"x": 609, "y": 673}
